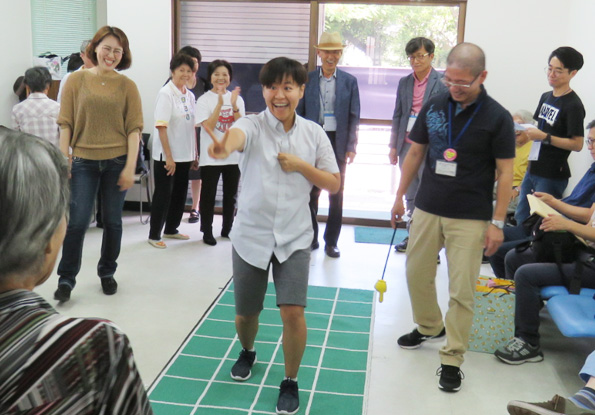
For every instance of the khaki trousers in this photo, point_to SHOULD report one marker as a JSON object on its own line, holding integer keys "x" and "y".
{"x": 463, "y": 240}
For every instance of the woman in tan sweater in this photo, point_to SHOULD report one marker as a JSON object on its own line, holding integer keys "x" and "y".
{"x": 100, "y": 122}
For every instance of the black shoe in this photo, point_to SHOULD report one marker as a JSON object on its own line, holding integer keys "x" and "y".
{"x": 62, "y": 294}
{"x": 450, "y": 378}
{"x": 289, "y": 398}
{"x": 414, "y": 339}
{"x": 402, "y": 246}
{"x": 241, "y": 369}
{"x": 485, "y": 259}
{"x": 332, "y": 251}
{"x": 99, "y": 224}
{"x": 193, "y": 216}
{"x": 209, "y": 239}
{"x": 225, "y": 232}
{"x": 109, "y": 286}
{"x": 314, "y": 246}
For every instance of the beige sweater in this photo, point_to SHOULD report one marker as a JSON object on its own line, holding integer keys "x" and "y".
{"x": 101, "y": 112}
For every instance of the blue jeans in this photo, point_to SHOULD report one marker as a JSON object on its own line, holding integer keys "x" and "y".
{"x": 87, "y": 177}
{"x": 532, "y": 183}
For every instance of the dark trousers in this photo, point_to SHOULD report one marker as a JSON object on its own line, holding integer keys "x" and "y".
{"x": 513, "y": 236}
{"x": 169, "y": 198}
{"x": 208, "y": 191}
{"x": 529, "y": 278}
{"x": 335, "y": 209}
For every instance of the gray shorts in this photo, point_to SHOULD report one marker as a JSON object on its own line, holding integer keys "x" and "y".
{"x": 290, "y": 278}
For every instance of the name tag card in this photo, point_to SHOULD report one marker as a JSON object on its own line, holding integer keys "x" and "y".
{"x": 446, "y": 168}
{"x": 330, "y": 122}
{"x": 534, "y": 152}
{"x": 411, "y": 122}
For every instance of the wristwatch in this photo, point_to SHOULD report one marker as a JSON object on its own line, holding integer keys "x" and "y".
{"x": 498, "y": 223}
{"x": 548, "y": 139}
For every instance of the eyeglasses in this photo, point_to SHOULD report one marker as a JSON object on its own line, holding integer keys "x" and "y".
{"x": 589, "y": 141}
{"x": 452, "y": 84}
{"x": 418, "y": 57}
{"x": 108, "y": 50}
{"x": 556, "y": 72}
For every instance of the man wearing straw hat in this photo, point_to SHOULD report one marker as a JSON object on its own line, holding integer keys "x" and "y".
{"x": 331, "y": 99}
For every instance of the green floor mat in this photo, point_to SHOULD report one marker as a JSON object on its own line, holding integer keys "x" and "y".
{"x": 332, "y": 379}
{"x": 369, "y": 235}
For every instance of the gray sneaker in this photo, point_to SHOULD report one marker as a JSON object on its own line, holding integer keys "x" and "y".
{"x": 242, "y": 369}
{"x": 289, "y": 398}
{"x": 517, "y": 351}
{"x": 557, "y": 405}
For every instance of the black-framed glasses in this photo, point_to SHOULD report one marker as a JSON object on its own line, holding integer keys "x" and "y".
{"x": 589, "y": 141}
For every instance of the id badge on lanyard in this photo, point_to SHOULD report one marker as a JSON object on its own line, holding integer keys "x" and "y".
{"x": 411, "y": 122}
{"x": 330, "y": 122}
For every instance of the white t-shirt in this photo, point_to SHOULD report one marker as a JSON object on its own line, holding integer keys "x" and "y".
{"x": 204, "y": 108}
{"x": 175, "y": 111}
{"x": 273, "y": 214}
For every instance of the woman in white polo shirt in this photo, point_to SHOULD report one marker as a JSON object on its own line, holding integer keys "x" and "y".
{"x": 218, "y": 109}
{"x": 174, "y": 151}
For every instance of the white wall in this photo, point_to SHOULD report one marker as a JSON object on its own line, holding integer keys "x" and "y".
{"x": 147, "y": 23}
{"x": 16, "y": 44}
{"x": 517, "y": 37}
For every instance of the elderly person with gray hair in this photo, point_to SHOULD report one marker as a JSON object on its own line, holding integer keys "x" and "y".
{"x": 50, "y": 363}
{"x": 37, "y": 114}
{"x": 87, "y": 64}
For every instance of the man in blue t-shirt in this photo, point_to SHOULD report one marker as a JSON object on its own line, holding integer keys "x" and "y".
{"x": 465, "y": 137}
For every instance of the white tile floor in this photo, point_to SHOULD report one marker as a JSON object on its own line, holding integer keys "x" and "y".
{"x": 163, "y": 293}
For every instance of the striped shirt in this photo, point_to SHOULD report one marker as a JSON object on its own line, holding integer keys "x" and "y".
{"x": 37, "y": 115}
{"x": 50, "y": 364}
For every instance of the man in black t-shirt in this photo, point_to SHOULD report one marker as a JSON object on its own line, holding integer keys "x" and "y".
{"x": 560, "y": 116}
{"x": 465, "y": 137}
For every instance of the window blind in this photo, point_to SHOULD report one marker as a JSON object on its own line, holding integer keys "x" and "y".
{"x": 246, "y": 32}
{"x": 59, "y": 26}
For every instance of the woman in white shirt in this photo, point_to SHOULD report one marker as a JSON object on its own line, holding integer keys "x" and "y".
{"x": 174, "y": 151}
{"x": 218, "y": 109}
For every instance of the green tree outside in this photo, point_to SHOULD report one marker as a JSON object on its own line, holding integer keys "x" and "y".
{"x": 389, "y": 27}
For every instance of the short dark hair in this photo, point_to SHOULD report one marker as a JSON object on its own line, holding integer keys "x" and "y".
{"x": 101, "y": 34}
{"x": 591, "y": 125}
{"x": 277, "y": 69}
{"x": 192, "y": 52}
{"x": 417, "y": 42}
{"x": 571, "y": 58}
{"x": 216, "y": 64}
{"x": 37, "y": 78}
{"x": 180, "y": 59}
{"x": 74, "y": 62}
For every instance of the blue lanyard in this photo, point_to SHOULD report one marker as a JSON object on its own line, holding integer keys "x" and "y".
{"x": 450, "y": 143}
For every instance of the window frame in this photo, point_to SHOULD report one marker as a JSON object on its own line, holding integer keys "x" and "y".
{"x": 314, "y": 17}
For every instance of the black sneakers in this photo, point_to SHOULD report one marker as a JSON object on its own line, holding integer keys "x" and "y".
{"x": 62, "y": 294}
{"x": 450, "y": 378}
{"x": 241, "y": 370}
{"x": 109, "y": 286}
{"x": 289, "y": 399}
{"x": 414, "y": 339}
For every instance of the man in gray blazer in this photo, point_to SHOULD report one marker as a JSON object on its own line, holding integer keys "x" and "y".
{"x": 331, "y": 99}
{"x": 414, "y": 90}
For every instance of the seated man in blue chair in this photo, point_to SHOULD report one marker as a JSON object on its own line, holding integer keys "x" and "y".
{"x": 583, "y": 195}
{"x": 531, "y": 276}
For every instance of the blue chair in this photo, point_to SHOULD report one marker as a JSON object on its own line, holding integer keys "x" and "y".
{"x": 554, "y": 290}
{"x": 573, "y": 314}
